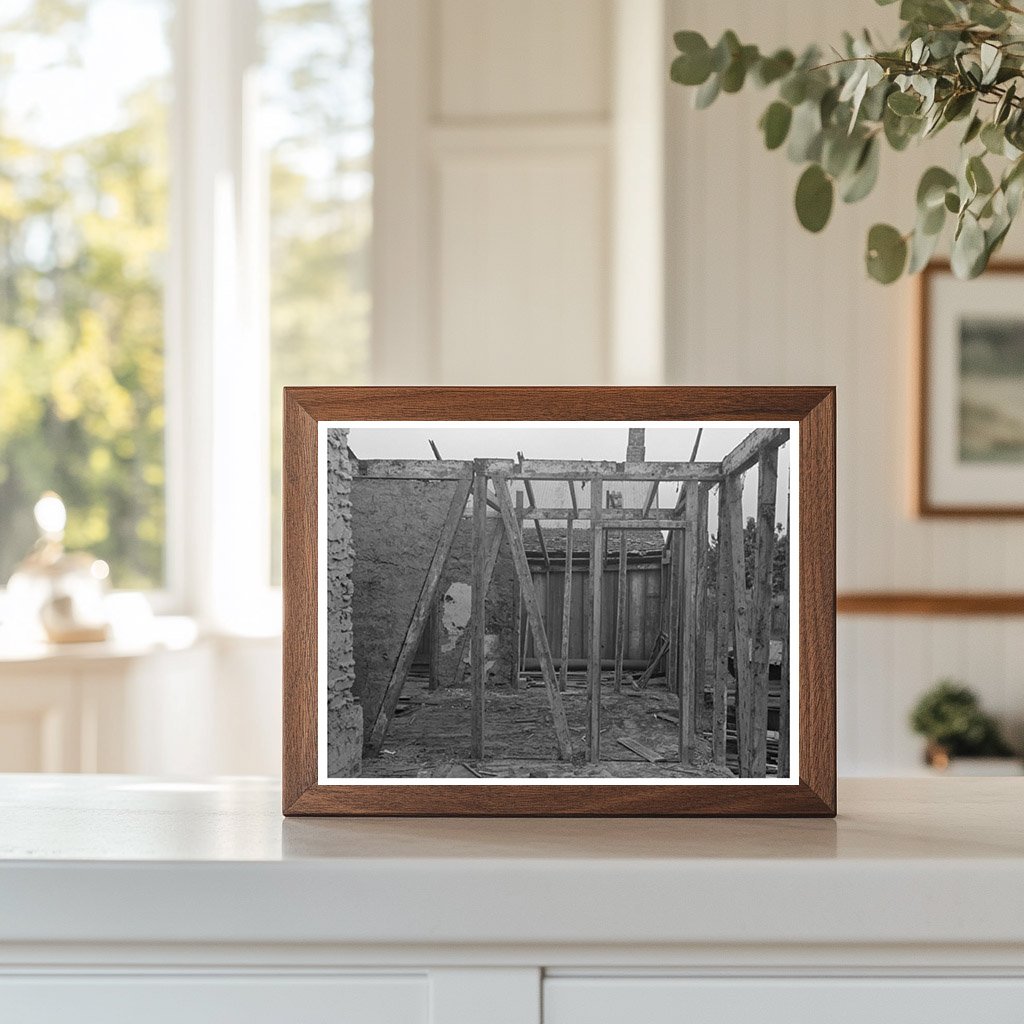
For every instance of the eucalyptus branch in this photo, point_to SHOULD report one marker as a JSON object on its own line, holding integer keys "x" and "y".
{"x": 955, "y": 61}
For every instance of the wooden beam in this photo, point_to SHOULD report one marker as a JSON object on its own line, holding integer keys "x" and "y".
{"x": 651, "y": 495}
{"x": 421, "y": 613}
{"x": 701, "y": 631}
{"x": 563, "y": 671}
{"x": 478, "y": 616}
{"x": 493, "y": 547}
{"x": 671, "y": 591}
{"x": 524, "y": 622}
{"x": 724, "y": 632}
{"x": 938, "y": 603}
{"x": 411, "y": 469}
{"x": 688, "y": 659}
{"x": 594, "y": 653}
{"x": 741, "y": 613}
{"x": 570, "y": 469}
{"x": 536, "y": 522}
{"x": 433, "y": 448}
{"x": 761, "y": 604}
{"x": 540, "y": 639}
{"x": 573, "y": 499}
{"x": 747, "y": 452}
{"x": 696, "y": 444}
{"x": 784, "y": 695}
{"x": 620, "y": 612}
{"x": 609, "y": 517}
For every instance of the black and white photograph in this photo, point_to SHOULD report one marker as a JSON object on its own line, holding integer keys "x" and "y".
{"x": 569, "y": 600}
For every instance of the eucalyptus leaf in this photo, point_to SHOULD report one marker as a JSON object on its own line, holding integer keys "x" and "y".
{"x": 886, "y": 253}
{"x": 904, "y": 103}
{"x": 993, "y": 138}
{"x": 922, "y": 247}
{"x": 991, "y": 60}
{"x": 1005, "y": 104}
{"x": 978, "y": 176}
{"x": 987, "y": 15}
{"x": 771, "y": 69}
{"x": 775, "y": 124}
{"x": 805, "y": 133}
{"x": 931, "y": 190}
{"x": 724, "y": 51}
{"x": 707, "y": 93}
{"x": 814, "y": 196}
{"x": 973, "y": 130}
{"x": 865, "y": 173}
{"x": 968, "y": 248}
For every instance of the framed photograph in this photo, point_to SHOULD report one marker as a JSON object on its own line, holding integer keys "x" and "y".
{"x": 559, "y": 601}
{"x": 970, "y": 451}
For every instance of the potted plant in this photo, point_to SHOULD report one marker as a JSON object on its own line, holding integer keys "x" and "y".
{"x": 951, "y": 719}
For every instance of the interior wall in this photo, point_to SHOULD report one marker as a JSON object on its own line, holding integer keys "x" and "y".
{"x": 493, "y": 201}
{"x": 751, "y": 298}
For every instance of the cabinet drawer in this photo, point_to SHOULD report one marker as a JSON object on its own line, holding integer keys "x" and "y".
{"x": 675, "y": 1000}
{"x": 205, "y": 999}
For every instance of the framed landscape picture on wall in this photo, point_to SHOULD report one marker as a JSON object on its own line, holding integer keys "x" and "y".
{"x": 559, "y": 601}
{"x": 970, "y": 451}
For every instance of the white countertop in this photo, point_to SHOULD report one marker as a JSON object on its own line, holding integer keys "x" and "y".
{"x": 121, "y": 859}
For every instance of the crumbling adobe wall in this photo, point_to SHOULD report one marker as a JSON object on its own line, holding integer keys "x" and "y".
{"x": 344, "y": 717}
{"x": 456, "y": 596}
{"x": 396, "y": 525}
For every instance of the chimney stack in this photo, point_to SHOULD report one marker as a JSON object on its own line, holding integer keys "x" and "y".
{"x": 636, "y": 450}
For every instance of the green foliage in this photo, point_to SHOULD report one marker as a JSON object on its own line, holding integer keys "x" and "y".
{"x": 949, "y": 715}
{"x": 82, "y": 233}
{"x": 956, "y": 60}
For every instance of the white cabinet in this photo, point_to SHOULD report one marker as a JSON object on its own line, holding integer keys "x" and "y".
{"x": 823, "y": 1000}
{"x": 126, "y": 899}
{"x": 202, "y": 999}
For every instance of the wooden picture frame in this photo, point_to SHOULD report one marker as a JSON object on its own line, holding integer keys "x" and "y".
{"x": 940, "y": 295}
{"x": 810, "y": 411}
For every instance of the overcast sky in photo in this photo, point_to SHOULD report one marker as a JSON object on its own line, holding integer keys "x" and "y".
{"x": 500, "y": 440}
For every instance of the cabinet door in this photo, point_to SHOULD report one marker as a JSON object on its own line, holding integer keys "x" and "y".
{"x": 206, "y": 999}
{"x": 667, "y": 1000}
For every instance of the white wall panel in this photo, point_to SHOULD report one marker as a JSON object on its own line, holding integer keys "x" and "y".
{"x": 522, "y": 284}
{"x": 527, "y": 58}
{"x": 754, "y": 299}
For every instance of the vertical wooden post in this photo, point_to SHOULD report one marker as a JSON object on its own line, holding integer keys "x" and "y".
{"x": 783, "y": 764}
{"x": 671, "y": 582}
{"x": 688, "y": 659}
{"x": 620, "y": 612}
{"x": 478, "y": 615}
{"x": 563, "y": 668}
{"x": 594, "y": 654}
{"x": 761, "y": 604}
{"x": 701, "y": 606}
{"x": 741, "y": 606}
{"x": 524, "y": 621}
{"x": 724, "y": 632}
{"x": 540, "y": 640}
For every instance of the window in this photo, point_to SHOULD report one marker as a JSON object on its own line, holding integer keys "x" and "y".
{"x": 185, "y": 222}
{"x": 83, "y": 235}
{"x": 317, "y": 116}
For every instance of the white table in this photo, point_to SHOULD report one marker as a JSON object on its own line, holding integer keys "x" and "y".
{"x": 126, "y": 898}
